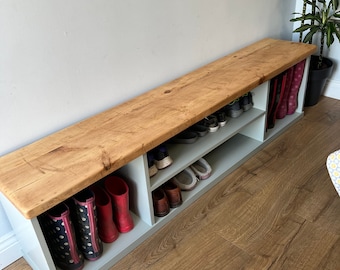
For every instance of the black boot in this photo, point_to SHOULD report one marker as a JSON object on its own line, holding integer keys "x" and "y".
{"x": 59, "y": 233}
{"x": 85, "y": 219}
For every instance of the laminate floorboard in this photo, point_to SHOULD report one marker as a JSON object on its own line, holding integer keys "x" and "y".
{"x": 279, "y": 210}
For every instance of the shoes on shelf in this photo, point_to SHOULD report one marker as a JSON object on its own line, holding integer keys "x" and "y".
{"x": 161, "y": 157}
{"x": 151, "y": 164}
{"x": 160, "y": 201}
{"x": 246, "y": 101}
{"x": 201, "y": 168}
{"x": 173, "y": 193}
{"x": 186, "y": 179}
{"x": 221, "y": 118}
{"x": 200, "y": 129}
{"x": 211, "y": 123}
{"x": 185, "y": 137}
{"x": 234, "y": 109}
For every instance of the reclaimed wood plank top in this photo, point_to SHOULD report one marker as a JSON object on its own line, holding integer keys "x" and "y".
{"x": 52, "y": 169}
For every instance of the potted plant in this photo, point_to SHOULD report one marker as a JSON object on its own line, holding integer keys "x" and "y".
{"x": 324, "y": 21}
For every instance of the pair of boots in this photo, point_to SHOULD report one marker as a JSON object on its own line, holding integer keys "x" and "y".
{"x": 92, "y": 212}
{"x": 70, "y": 230}
{"x": 283, "y": 96}
{"x": 112, "y": 203}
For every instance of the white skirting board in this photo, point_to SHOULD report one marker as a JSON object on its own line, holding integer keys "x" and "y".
{"x": 332, "y": 89}
{"x": 10, "y": 249}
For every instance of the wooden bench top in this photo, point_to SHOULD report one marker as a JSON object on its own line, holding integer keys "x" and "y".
{"x": 52, "y": 169}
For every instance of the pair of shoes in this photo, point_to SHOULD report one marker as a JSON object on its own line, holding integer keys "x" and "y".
{"x": 221, "y": 118}
{"x": 186, "y": 179}
{"x": 159, "y": 157}
{"x": 200, "y": 129}
{"x": 216, "y": 120}
{"x": 201, "y": 169}
{"x": 165, "y": 197}
{"x": 234, "y": 108}
{"x": 185, "y": 137}
{"x": 246, "y": 101}
{"x": 191, "y": 134}
{"x": 189, "y": 177}
{"x": 211, "y": 122}
{"x": 240, "y": 105}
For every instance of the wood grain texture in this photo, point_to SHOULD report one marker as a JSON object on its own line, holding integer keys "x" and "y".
{"x": 45, "y": 173}
{"x": 279, "y": 210}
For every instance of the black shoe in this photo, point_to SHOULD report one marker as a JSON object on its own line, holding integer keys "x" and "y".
{"x": 234, "y": 108}
{"x": 211, "y": 123}
{"x": 221, "y": 118}
{"x": 200, "y": 129}
{"x": 246, "y": 101}
{"x": 162, "y": 158}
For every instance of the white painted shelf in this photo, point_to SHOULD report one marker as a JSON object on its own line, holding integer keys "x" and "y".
{"x": 225, "y": 150}
{"x": 186, "y": 154}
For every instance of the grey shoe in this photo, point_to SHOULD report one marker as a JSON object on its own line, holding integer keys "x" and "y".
{"x": 201, "y": 168}
{"x": 186, "y": 179}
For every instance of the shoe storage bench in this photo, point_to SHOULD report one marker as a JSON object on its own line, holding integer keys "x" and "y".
{"x": 45, "y": 173}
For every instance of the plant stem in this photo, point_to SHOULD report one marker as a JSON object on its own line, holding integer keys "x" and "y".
{"x": 321, "y": 49}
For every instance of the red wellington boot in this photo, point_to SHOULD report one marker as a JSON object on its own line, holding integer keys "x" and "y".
{"x": 107, "y": 229}
{"x": 283, "y": 104}
{"x": 295, "y": 86}
{"x": 119, "y": 192}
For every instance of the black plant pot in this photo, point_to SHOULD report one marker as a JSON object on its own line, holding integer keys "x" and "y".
{"x": 316, "y": 80}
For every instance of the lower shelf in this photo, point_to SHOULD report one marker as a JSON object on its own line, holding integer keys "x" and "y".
{"x": 283, "y": 124}
{"x": 223, "y": 161}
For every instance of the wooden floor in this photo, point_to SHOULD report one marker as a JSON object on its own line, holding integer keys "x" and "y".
{"x": 277, "y": 211}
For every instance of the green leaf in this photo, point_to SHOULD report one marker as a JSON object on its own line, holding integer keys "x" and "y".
{"x": 310, "y": 34}
{"x": 329, "y": 37}
{"x": 336, "y": 31}
{"x": 308, "y": 16}
{"x": 303, "y": 28}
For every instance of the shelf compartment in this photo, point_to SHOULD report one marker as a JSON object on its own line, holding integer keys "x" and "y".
{"x": 186, "y": 154}
{"x": 223, "y": 160}
{"x": 282, "y": 124}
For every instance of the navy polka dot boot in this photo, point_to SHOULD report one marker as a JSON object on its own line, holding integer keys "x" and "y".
{"x": 85, "y": 219}
{"x": 59, "y": 233}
